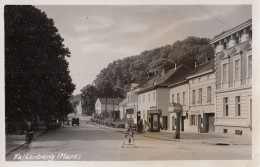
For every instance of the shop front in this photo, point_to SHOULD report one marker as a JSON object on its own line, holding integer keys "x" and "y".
{"x": 154, "y": 120}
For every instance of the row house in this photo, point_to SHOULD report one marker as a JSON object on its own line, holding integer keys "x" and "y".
{"x": 194, "y": 91}
{"x": 132, "y": 103}
{"x": 202, "y": 87}
{"x": 179, "y": 93}
{"x": 153, "y": 98}
{"x": 233, "y": 56}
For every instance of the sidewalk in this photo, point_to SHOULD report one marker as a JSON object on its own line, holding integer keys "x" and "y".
{"x": 122, "y": 130}
{"x": 191, "y": 137}
{"x": 14, "y": 142}
{"x": 205, "y": 138}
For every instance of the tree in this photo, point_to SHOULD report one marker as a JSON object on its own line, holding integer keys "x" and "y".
{"x": 37, "y": 79}
{"x": 89, "y": 95}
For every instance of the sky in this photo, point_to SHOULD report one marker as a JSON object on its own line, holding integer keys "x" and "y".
{"x": 99, "y": 35}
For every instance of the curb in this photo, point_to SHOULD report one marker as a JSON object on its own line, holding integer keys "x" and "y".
{"x": 12, "y": 150}
{"x": 190, "y": 141}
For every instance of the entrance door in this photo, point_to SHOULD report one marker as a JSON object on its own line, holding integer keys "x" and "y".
{"x": 155, "y": 123}
{"x": 199, "y": 122}
{"x": 173, "y": 123}
{"x": 211, "y": 121}
{"x": 164, "y": 122}
{"x": 182, "y": 123}
{"x": 250, "y": 114}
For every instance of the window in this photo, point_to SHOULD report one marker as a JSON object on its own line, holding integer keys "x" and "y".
{"x": 183, "y": 98}
{"x": 200, "y": 96}
{"x": 225, "y": 106}
{"x": 193, "y": 97}
{"x": 154, "y": 96}
{"x": 172, "y": 98}
{"x": 225, "y": 73}
{"x": 238, "y": 109}
{"x": 237, "y": 69}
{"x": 149, "y": 97}
{"x": 208, "y": 94}
{"x": 178, "y": 97}
{"x": 143, "y": 98}
{"x": 224, "y": 45}
{"x": 250, "y": 66}
{"x": 128, "y": 99}
{"x": 237, "y": 40}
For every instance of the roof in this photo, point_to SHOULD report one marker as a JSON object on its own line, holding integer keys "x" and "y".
{"x": 123, "y": 102}
{"x": 231, "y": 31}
{"x": 208, "y": 66}
{"x": 109, "y": 100}
{"x": 159, "y": 80}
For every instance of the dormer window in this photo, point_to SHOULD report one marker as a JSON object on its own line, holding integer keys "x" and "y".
{"x": 224, "y": 45}
{"x": 154, "y": 82}
{"x": 237, "y": 41}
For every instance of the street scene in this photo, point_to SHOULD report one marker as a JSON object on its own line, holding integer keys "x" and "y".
{"x": 128, "y": 83}
{"x": 95, "y": 142}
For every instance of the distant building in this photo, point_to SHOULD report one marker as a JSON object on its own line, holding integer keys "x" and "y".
{"x": 233, "y": 56}
{"x": 76, "y": 103}
{"x": 153, "y": 98}
{"x": 202, "y": 89}
{"x": 122, "y": 109}
{"x": 107, "y": 107}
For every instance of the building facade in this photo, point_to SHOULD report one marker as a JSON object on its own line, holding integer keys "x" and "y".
{"x": 201, "y": 115}
{"x": 107, "y": 107}
{"x": 132, "y": 104}
{"x": 153, "y": 98}
{"x": 179, "y": 93}
{"x": 233, "y": 56}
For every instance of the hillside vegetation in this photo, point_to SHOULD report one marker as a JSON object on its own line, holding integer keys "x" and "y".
{"x": 115, "y": 79}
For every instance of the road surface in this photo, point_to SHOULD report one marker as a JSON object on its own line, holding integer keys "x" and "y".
{"x": 93, "y": 142}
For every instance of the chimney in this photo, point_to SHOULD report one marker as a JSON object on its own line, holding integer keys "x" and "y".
{"x": 195, "y": 64}
{"x": 175, "y": 66}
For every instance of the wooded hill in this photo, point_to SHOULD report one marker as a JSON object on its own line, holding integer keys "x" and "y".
{"x": 121, "y": 73}
{"x": 115, "y": 79}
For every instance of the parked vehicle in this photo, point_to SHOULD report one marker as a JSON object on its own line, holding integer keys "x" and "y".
{"x": 75, "y": 121}
{"x": 52, "y": 122}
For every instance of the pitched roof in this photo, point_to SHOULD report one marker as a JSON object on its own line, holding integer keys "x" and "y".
{"x": 110, "y": 100}
{"x": 123, "y": 102}
{"x": 202, "y": 68}
{"x": 165, "y": 80}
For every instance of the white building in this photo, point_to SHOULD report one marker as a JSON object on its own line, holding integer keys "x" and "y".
{"x": 233, "y": 56}
{"x": 153, "y": 98}
{"x": 179, "y": 93}
{"x": 107, "y": 107}
{"x": 132, "y": 103}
